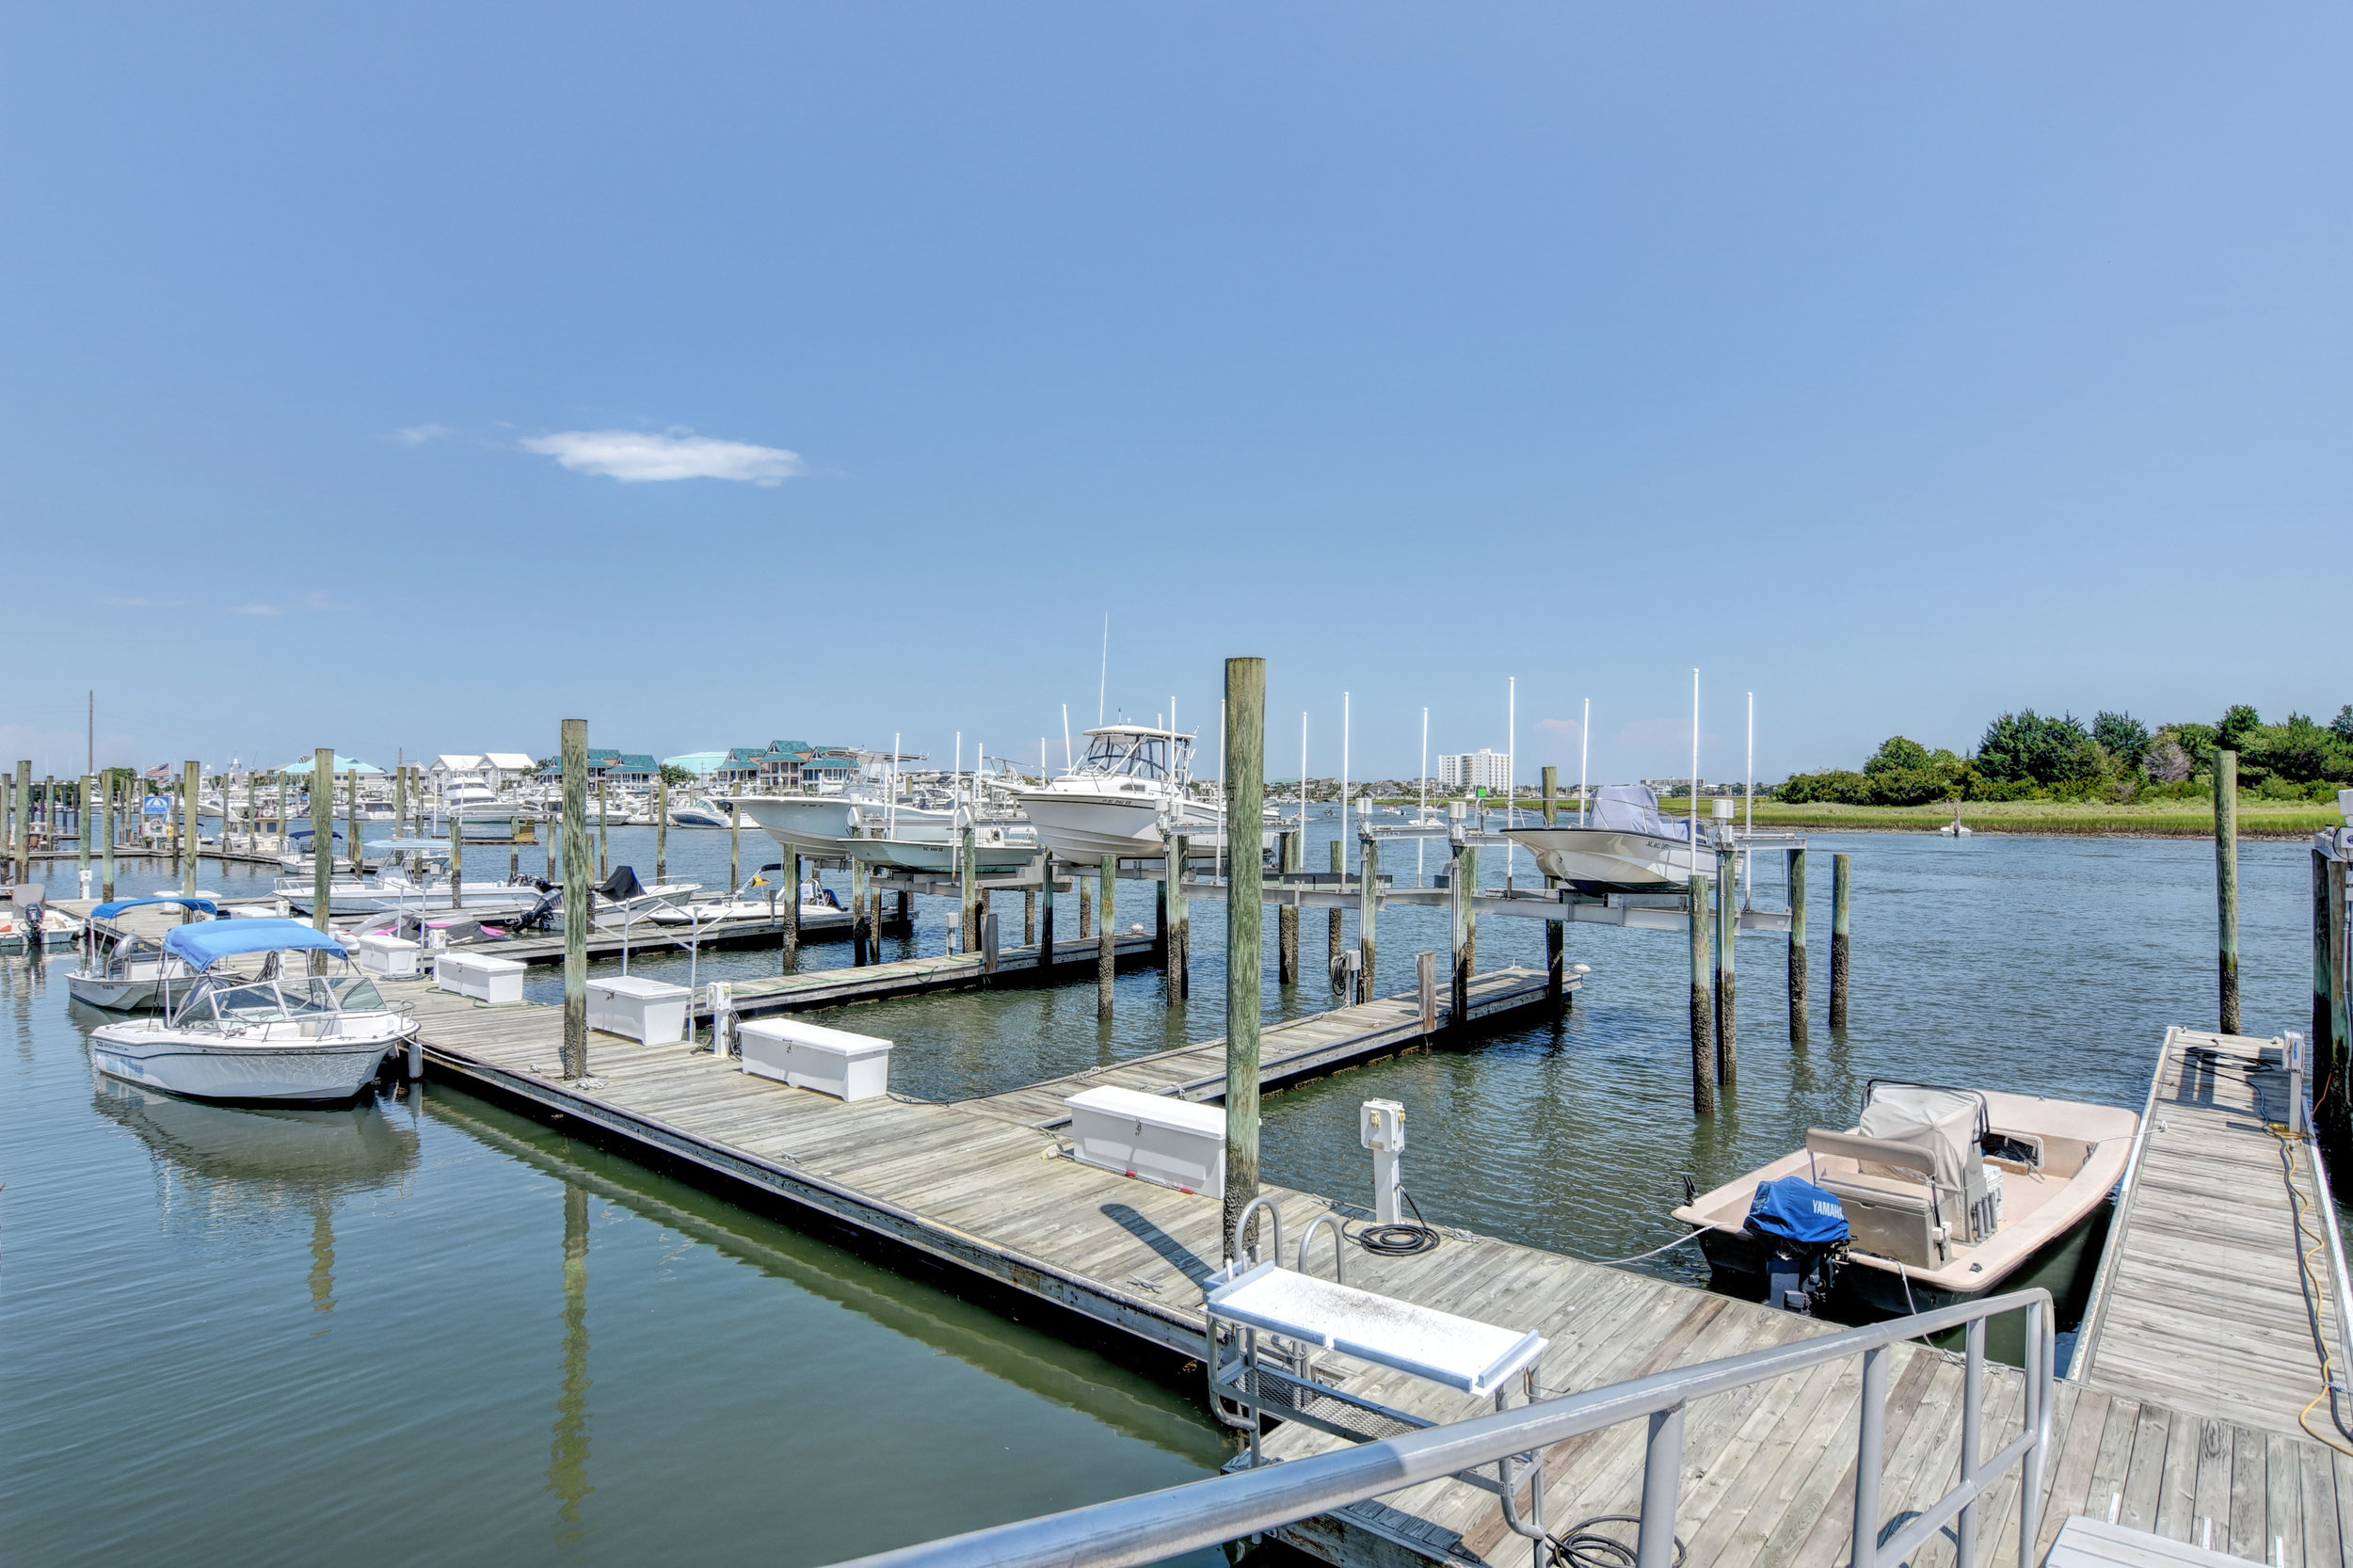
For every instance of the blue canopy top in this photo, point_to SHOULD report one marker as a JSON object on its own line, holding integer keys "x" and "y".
{"x": 108, "y": 911}
{"x": 202, "y": 943}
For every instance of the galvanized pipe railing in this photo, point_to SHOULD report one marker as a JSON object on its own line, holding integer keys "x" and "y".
{"x": 1155, "y": 1524}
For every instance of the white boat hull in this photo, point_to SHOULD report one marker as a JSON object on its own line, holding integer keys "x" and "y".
{"x": 1606, "y": 860}
{"x": 821, "y": 825}
{"x": 131, "y": 993}
{"x": 1087, "y": 824}
{"x": 939, "y": 853}
{"x": 206, "y": 1066}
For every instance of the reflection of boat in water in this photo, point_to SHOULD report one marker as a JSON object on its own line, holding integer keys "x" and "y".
{"x": 1623, "y": 847}
{"x": 349, "y": 1148}
{"x": 1935, "y": 1196}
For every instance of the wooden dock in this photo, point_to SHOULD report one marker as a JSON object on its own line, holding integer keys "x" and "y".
{"x": 2205, "y": 1300}
{"x": 910, "y": 977}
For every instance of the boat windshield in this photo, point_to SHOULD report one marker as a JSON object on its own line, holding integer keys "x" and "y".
{"x": 257, "y": 1002}
{"x": 1127, "y": 757}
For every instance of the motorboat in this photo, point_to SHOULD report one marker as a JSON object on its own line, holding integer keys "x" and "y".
{"x": 130, "y": 973}
{"x": 28, "y": 921}
{"x": 997, "y": 847}
{"x": 1129, "y": 792}
{"x": 622, "y": 900}
{"x": 1625, "y": 846}
{"x": 227, "y": 1035}
{"x": 1935, "y": 1196}
{"x": 426, "y": 889}
{"x": 702, "y": 812}
{"x": 1956, "y": 828}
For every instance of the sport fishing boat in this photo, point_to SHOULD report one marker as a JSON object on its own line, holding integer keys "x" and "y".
{"x": 1623, "y": 847}
{"x": 702, "y": 812}
{"x": 227, "y": 1035}
{"x": 1127, "y": 796}
{"x": 998, "y": 846}
{"x": 1934, "y": 1197}
{"x": 129, "y": 972}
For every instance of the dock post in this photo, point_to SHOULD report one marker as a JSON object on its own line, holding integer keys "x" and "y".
{"x": 2328, "y": 1053}
{"x": 1291, "y": 858}
{"x": 1841, "y": 884}
{"x": 1106, "y": 935}
{"x": 107, "y": 835}
{"x": 1425, "y": 981}
{"x": 253, "y": 813}
{"x": 1367, "y": 913}
{"x": 1797, "y": 946}
{"x": 1462, "y": 883}
{"x": 1332, "y": 928}
{"x": 988, "y": 945}
{"x": 735, "y": 850}
{"x": 1727, "y": 986}
{"x": 400, "y": 804}
{"x": 574, "y": 749}
{"x": 2226, "y": 881}
{"x": 861, "y": 878}
{"x": 458, "y": 866}
{"x": 351, "y": 815}
{"x": 790, "y": 871}
{"x": 1555, "y": 932}
{"x": 191, "y": 784}
{"x": 1046, "y": 932}
{"x": 1029, "y": 916}
{"x": 603, "y": 819}
{"x": 968, "y": 900}
{"x": 1159, "y": 911}
{"x": 322, "y": 846}
{"x": 282, "y": 845}
{"x": 1703, "y": 1006}
{"x": 661, "y": 827}
{"x": 1086, "y": 903}
{"x": 1245, "y": 790}
{"x": 1177, "y": 958}
{"x": 85, "y": 821}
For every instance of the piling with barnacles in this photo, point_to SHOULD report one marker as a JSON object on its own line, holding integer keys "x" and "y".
{"x": 1841, "y": 882}
{"x": 1797, "y": 946}
{"x": 1703, "y": 1003}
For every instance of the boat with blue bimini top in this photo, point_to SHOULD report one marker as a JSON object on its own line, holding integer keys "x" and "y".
{"x": 1935, "y": 1196}
{"x": 126, "y": 972}
{"x": 227, "y": 1035}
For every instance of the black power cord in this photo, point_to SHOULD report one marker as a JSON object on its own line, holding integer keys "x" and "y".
{"x": 1399, "y": 1241}
{"x": 1583, "y": 1546}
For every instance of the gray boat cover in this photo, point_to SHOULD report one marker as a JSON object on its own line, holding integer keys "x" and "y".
{"x": 1940, "y": 1122}
{"x": 1634, "y": 808}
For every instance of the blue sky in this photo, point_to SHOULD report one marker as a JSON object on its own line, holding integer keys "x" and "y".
{"x": 1898, "y": 365}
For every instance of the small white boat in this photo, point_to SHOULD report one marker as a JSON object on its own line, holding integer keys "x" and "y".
{"x": 1624, "y": 847}
{"x": 133, "y": 973}
{"x": 701, "y": 813}
{"x": 230, "y": 1037}
{"x": 1125, "y": 796}
{"x": 27, "y": 921}
{"x": 1941, "y": 1194}
{"x": 1956, "y": 828}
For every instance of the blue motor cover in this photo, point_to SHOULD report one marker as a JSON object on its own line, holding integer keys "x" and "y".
{"x": 1794, "y": 1210}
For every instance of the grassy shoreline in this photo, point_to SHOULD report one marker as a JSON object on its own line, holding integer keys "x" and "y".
{"x": 2171, "y": 819}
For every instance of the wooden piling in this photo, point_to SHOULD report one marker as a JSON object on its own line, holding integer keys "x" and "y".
{"x": 2226, "y": 882}
{"x": 1426, "y": 978}
{"x": 283, "y": 846}
{"x": 1046, "y": 931}
{"x": 1086, "y": 903}
{"x": 574, "y": 762}
{"x": 1702, "y": 1004}
{"x": 861, "y": 876}
{"x": 400, "y": 804}
{"x": 2340, "y": 1030}
{"x": 604, "y": 868}
{"x": 253, "y": 813}
{"x": 23, "y": 832}
{"x": 1727, "y": 987}
{"x": 1245, "y": 799}
{"x": 735, "y": 850}
{"x": 790, "y": 871}
{"x": 1291, "y": 858}
{"x": 1797, "y": 946}
{"x": 1106, "y": 934}
{"x": 322, "y": 841}
{"x": 107, "y": 835}
{"x": 1333, "y": 929}
{"x": 84, "y": 824}
{"x": 968, "y": 898}
{"x": 172, "y": 834}
{"x": 1462, "y": 883}
{"x": 1841, "y": 884}
{"x": 1555, "y": 932}
{"x": 2331, "y": 1124}
{"x": 1368, "y": 913}
{"x": 191, "y": 784}
{"x": 1179, "y": 959}
{"x": 1029, "y": 916}
{"x": 661, "y": 827}
{"x": 351, "y": 819}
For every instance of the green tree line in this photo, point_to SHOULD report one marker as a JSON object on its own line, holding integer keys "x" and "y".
{"x": 2031, "y": 755}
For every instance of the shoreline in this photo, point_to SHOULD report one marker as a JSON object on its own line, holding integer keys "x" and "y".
{"x": 2283, "y": 821}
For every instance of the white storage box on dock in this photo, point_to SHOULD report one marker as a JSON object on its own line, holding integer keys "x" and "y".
{"x": 393, "y": 957}
{"x": 1156, "y": 1137}
{"x": 650, "y": 1011}
{"x": 809, "y": 1056}
{"x": 480, "y": 976}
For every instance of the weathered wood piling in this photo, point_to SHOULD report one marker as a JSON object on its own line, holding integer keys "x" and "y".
{"x": 1727, "y": 986}
{"x": 573, "y": 750}
{"x": 1797, "y": 946}
{"x": 191, "y": 775}
{"x": 1841, "y": 884}
{"x": 1106, "y": 935}
{"x": 322, "y": 843}
{"x": 1245, "y": 791}
{"x": 1703, "y": 1003}
{"x": 2226, "y": 884}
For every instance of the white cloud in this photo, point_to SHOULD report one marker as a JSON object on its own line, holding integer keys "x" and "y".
{"x": 1564, "y": 731}
{"x": 633, "y": 456}
{"x": 137, "y": 603}
{"x": 257, "y": 608}
{"x": 417, "y": 434}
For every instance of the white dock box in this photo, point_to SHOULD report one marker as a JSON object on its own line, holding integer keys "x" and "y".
{"x": 810, "y": 1056}
{"x": 1156, "y": 1137}
{"x": 650, "y": 1011}
{"x": 479, "y": 975}
{"x": 393, "y": 957}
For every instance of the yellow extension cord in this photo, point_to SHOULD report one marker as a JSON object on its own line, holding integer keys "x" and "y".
{"x": 2312, "y": 1292}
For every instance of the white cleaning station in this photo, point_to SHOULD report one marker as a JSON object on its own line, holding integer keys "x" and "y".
{"x": 1267, "y": 1324}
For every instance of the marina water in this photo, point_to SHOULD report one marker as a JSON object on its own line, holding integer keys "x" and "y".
{"x": 426, "y": 1328}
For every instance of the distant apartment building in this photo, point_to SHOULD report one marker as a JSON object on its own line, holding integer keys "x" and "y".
{"x": 1473, "y": 770}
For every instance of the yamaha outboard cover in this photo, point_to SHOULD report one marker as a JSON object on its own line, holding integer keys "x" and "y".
{"x": 1804, "y": 1231}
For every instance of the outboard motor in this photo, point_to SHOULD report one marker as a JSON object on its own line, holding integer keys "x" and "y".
{"x": 540, "y": 915}
{"x": 1802, "y": 1232}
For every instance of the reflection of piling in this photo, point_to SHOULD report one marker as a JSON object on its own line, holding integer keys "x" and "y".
{"x": 1179, "y": 959}
{"x": 1841, "y": 884}
{"x": 568, "y": 1456}
{"x": 1245, "y": 791}
{"x": 1702, "y": 1004}
{"x": 322, "y": 1254}
{"x": 1727, "y": 986}
{"x": 1797, "y": 947}
{"x": 1106, "y": 935}
{"x": 735, "y": 849}
{"x": 2226, "y": 881}
{"x": 575, "y": 808}
{"x": 1291, "y": 858}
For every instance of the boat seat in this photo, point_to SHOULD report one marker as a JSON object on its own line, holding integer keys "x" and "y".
{"x": 1887, "y": 1195}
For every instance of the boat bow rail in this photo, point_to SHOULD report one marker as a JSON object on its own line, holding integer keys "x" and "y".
{"x": 1152, "y": 1525}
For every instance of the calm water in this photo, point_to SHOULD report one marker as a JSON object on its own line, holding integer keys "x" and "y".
{"x": 434, "y": 1331}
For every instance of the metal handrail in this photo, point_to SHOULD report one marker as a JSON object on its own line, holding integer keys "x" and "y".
{"x": 2310, "y": 1138}
{"x": 1156, "y": 1525}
